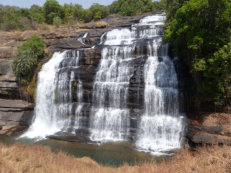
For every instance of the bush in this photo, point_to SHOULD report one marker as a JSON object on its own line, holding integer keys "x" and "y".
{"x": 35, "y": 44}
{"x": 27, "y": 58}
{"x": 23, "y": 66}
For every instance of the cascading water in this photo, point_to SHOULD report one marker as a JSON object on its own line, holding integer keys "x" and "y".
{"x": 110, "y": 115}
{"x": 54, "y": 96}
{"x": 134, "y": 66}
{"x": 161, "y": 124}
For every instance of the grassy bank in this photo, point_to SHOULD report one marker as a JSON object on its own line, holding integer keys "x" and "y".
{"x": 20, "y": 158}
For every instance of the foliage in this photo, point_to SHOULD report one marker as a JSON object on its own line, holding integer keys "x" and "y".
{"x": 13, "y": 18}
{"x": 23, "y": 66}
{"x": 52, "y": 9}
{"x": 86, "y": 15}
{"x": 35, "y": 44}
{"x": 197, "y": 29}
{"x": 27, "y": 58}
{"x": 219, "y": 74}
{"x": 99, "y": 11}
{"x": 36, "y": 14}
{"x": 57, "y": 21}
{"x": 9, "y": 18}
{"x": 131, "y": 7}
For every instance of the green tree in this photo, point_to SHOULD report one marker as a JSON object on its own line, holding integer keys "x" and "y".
{"x": 77, "y": 12}
{"x": 99, "y": 11}
{"x": 36, "y": 13}
{"x": 197, "y": 29}
{"x": 52, "y": 9}
{"x": 86, "y": 15}
{"x": 219, "y": 74}
{"x": 131, "y": 7}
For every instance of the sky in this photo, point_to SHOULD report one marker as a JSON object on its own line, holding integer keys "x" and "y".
{"x": 28, "y": 3}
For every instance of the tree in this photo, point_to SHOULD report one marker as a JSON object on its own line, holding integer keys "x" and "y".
{"x": 131, "y": 7}
{"x": 52, "y": 9}
{"x": 99, "y": 11}
{"x": 219, "y": 73}
{"x": 196, "y": 30}
{"x": 36, "y": 13}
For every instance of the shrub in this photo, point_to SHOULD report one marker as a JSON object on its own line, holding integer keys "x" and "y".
{"x": 23, "y": 66}
{"x": 27, "y": 58}
{"x": 35, "y": 44}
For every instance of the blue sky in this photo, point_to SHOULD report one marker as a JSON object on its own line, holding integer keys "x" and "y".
{"x": 28, "y": 3}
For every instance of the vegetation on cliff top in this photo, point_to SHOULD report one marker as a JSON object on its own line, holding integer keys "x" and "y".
{"x": 52, "y": 12}
{"x": 199, "y": 31}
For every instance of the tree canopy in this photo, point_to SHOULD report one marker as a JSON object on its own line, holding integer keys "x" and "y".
{"x": 199, "y": 31}
{"x": 53, "y": 13}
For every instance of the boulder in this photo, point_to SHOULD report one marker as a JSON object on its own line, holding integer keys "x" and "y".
{"x": 214, "y": 129}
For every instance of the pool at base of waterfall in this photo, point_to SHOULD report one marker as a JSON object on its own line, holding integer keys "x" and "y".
{"x": 109, "y": 154}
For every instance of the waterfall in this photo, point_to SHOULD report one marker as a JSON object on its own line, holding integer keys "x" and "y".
{"x": 54, "y": 96}
{"x": 132, "y": 95}
{"x": 110, "y": 115}
{"x": 160, "y": 126}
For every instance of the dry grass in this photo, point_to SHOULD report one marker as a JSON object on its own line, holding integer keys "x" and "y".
{"x": 101, "y": 24}
{"x": 20, "y": 158}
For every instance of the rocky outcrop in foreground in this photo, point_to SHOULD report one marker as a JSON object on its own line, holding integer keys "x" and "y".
{"x": 213, "y": 129}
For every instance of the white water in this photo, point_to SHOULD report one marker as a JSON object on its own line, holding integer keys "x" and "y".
{"x": 45, "y": 122}
{"x": 110, "y": 116}
{"x": 54, "y": 107}
{"x": 83, "y": 38}
{"x": 161, "y": 126}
